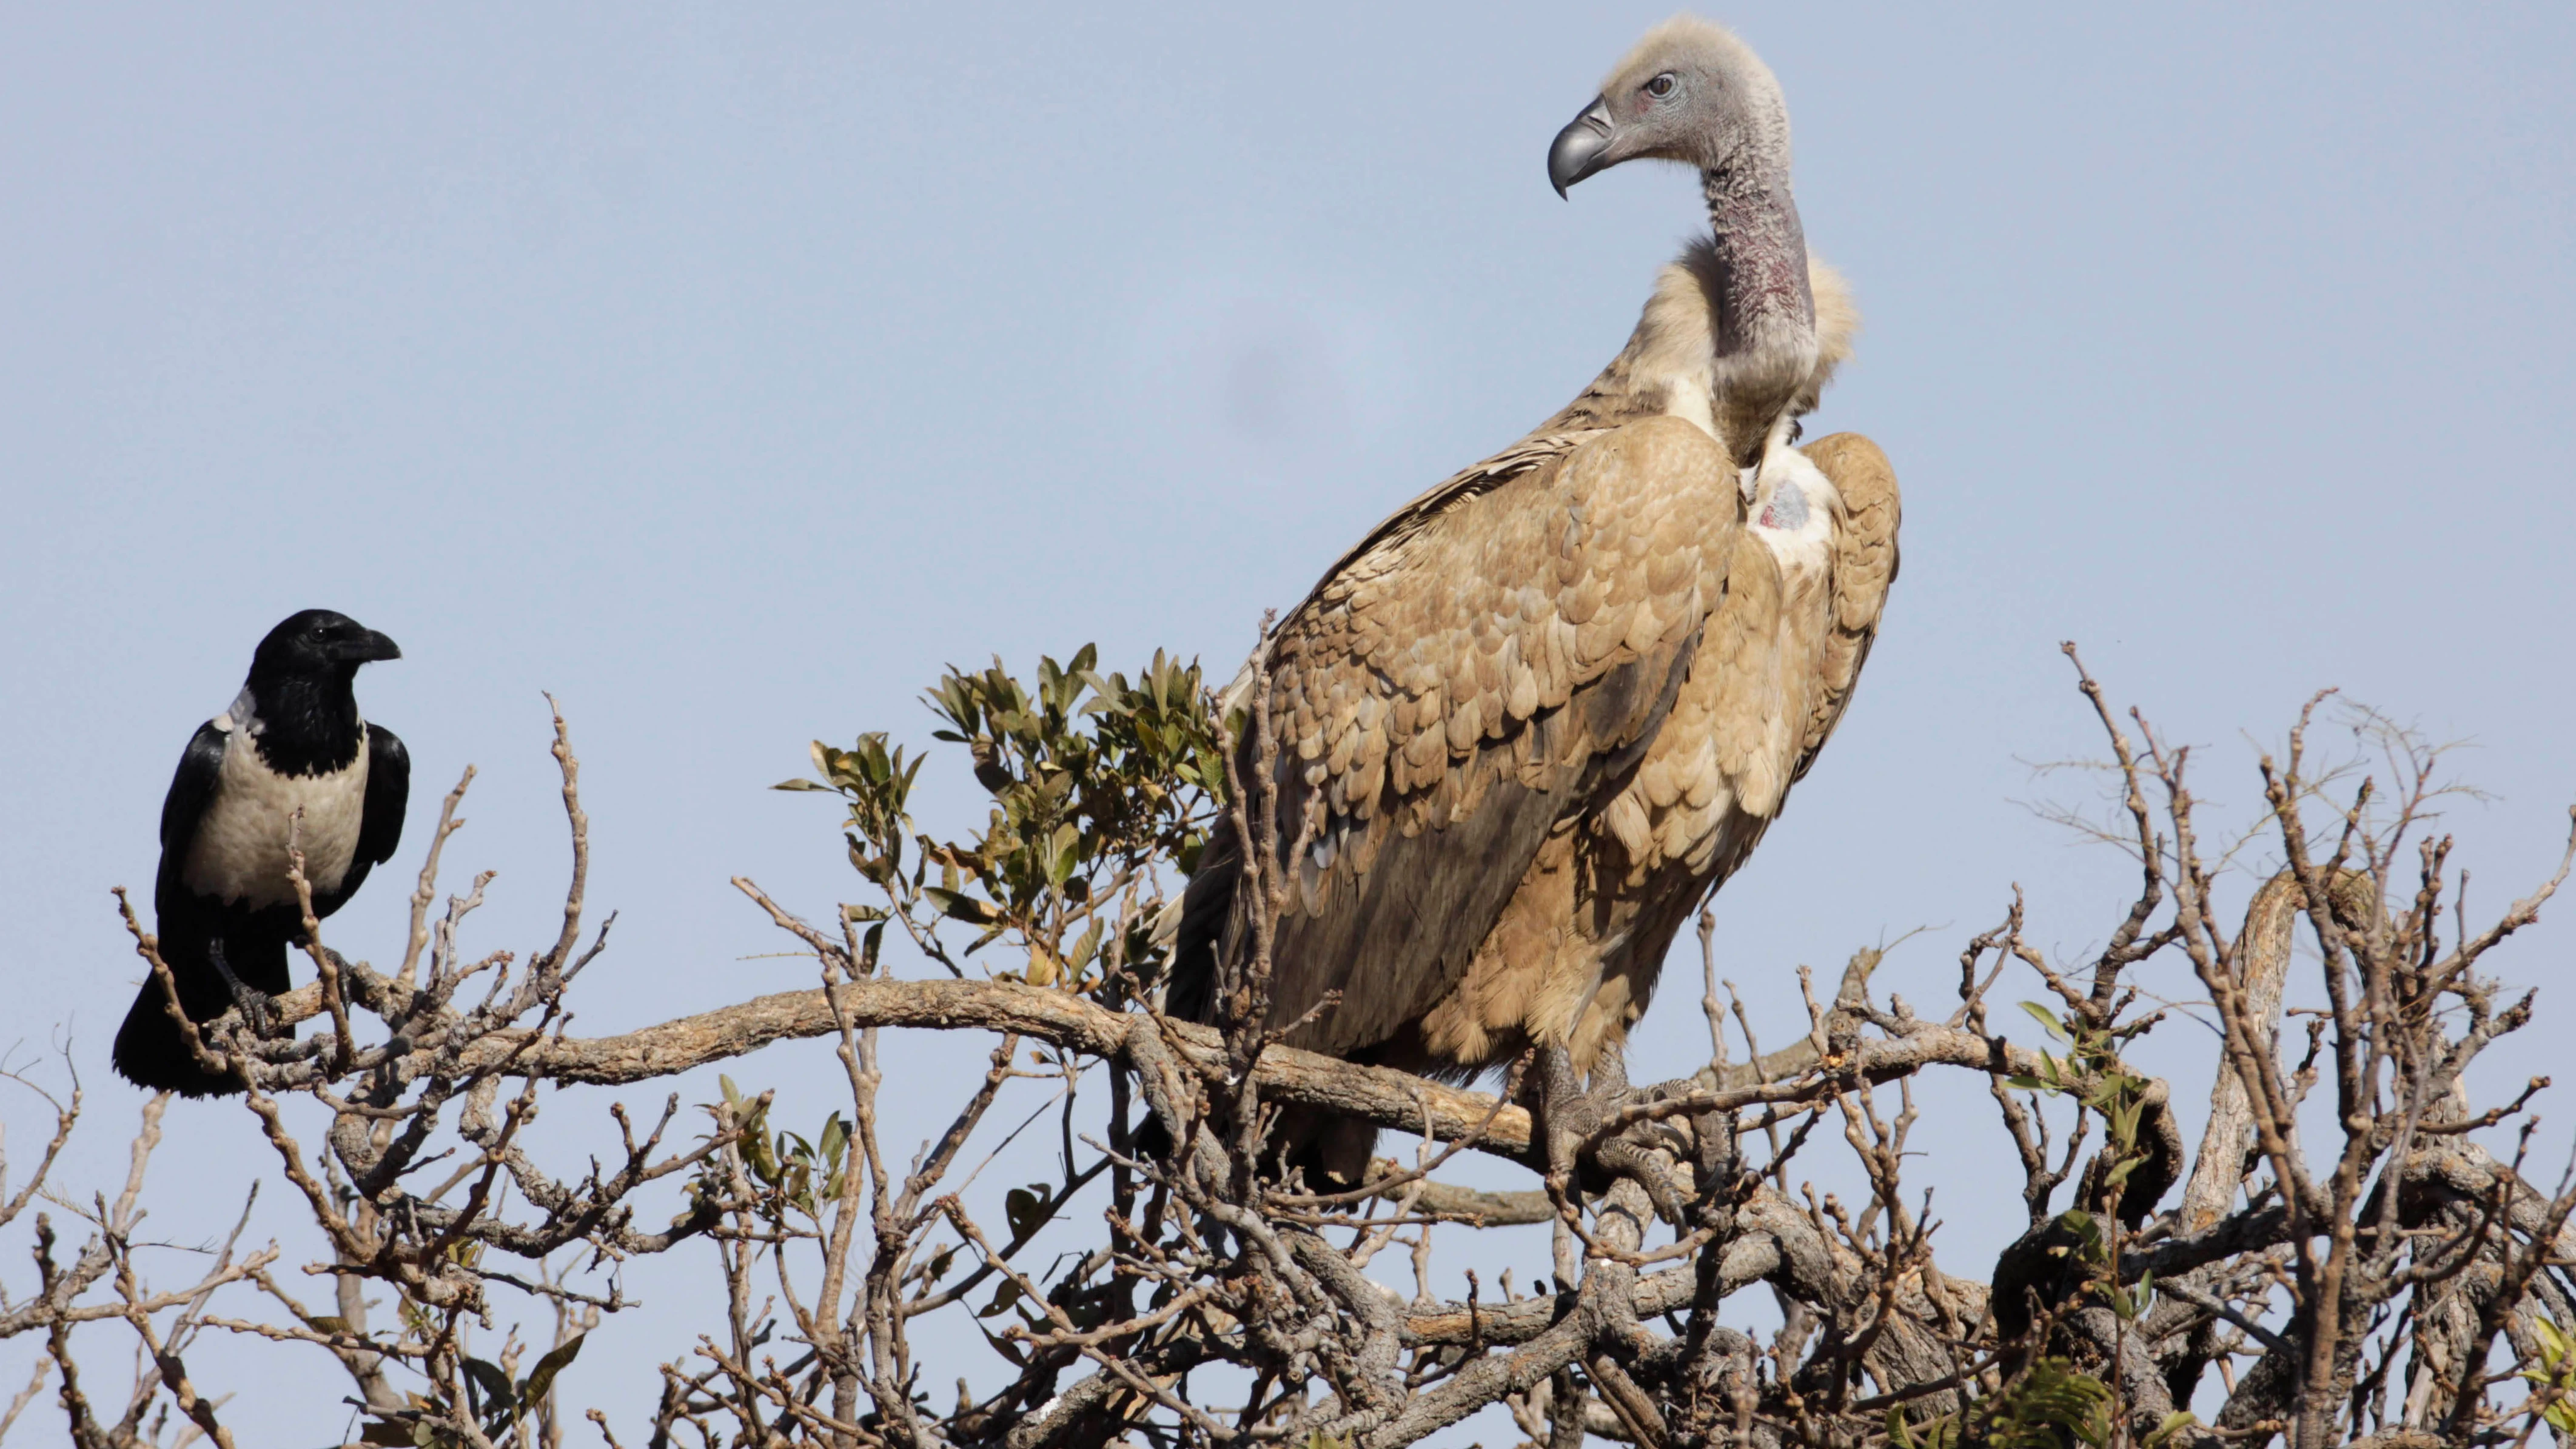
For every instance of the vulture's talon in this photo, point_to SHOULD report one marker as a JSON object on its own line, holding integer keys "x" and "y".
{"x": 1573, "y": 1119}
{"x": 1628, "y": 1157}
{"x": 1586, "y": 1161}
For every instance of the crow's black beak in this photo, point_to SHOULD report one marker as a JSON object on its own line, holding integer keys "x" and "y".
{"x": 1580, "y": 147}
{"x": 368, "y": 648}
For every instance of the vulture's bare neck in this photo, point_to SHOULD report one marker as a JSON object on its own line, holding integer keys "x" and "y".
{"x": 1730, "y": 339}
{"x": 1764, "y": 345}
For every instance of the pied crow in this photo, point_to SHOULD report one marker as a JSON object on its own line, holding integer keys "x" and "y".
{"x": 226, "y": 912}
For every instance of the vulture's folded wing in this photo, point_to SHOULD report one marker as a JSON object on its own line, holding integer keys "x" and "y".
{"x": 1774, "y": 671}
{"x": 1495, "y": 657}
{"x": 1865, "y": 561}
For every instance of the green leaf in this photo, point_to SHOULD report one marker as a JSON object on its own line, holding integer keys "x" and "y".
{"x": 802, "y": 784}
{"x": 1084, "y": 949}
{"x": 2047, "y": 1018}
{"x": 957, "y": 905}
{"x": 2174, "y": 1423}
{"x": 2124, "y": 1120}
{"x": 1027, "y": 1208}
{"x": 494, "y": 1383}
{"x": 1003, "y": 1346}
{"x": 1003, "y": 1297}
{"x": 2554, "y": 1342}
{"x": 2087, "y": 1233}
{"x": 387, "y": 1431}
{"x": 542, "y": 1377}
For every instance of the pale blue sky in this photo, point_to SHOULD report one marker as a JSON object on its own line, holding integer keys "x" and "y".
{"x": 726, "y": 374}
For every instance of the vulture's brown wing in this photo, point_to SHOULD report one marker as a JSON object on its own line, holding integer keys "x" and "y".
{"x": 1577, "y": 951}
{"x": 1494, "y": 657}
{"x": 1865, "y": 561}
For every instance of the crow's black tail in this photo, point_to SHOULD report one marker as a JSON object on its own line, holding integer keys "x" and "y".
{"x": 152, "y": 1053}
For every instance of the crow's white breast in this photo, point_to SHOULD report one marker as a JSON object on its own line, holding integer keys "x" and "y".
{"x": 239, "y": 854}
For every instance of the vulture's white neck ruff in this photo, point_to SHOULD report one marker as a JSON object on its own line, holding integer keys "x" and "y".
{"x": 1675, "y": 354}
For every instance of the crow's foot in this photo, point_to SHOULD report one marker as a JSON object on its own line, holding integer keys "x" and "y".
{"x": 258, "y": 1009}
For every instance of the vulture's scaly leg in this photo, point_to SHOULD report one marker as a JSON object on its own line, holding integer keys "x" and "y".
{"x": 1630, "y": 1153}
{"x": 1556, "y": 1101}
{"x": 1569, "y": 1112}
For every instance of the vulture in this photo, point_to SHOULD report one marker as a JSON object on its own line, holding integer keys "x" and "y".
{"x": 1538, "y": 715}
{"x": 290, "y": 763}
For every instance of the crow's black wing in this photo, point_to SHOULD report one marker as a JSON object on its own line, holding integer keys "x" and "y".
{"x": 380, "y": 818}
{"x": 191, "y": 790}
{"x": 380, "y": 827}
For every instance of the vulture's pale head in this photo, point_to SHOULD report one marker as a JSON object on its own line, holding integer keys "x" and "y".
{"x": 1689, "y": 92}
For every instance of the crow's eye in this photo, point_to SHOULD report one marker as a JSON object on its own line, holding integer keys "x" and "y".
{"x": 1661, "y": 86}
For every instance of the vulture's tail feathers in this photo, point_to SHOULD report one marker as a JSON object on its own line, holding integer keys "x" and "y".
{"x": 1189, "y": 993}
{"x": 1332, "y": 1151}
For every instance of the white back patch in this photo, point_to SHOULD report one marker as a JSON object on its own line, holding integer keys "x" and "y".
{"x": 1787, "y": 508}
{"x": 1796, "y": 516}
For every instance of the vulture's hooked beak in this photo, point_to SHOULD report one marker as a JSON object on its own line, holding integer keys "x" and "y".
{"x": 368, "y": 648}
{"x": 1580, "y": 148}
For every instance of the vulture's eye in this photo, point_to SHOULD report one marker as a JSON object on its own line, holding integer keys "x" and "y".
{"x": 1661, "y": 86}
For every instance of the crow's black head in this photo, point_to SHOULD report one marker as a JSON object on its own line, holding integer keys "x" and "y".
{"x": 318, "y": 645}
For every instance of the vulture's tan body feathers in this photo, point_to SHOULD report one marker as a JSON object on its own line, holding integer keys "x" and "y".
{"x": 1535, "y": 716}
